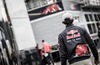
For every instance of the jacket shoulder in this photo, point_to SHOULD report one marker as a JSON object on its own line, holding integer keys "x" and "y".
{"x": 81, "y": 28}
{"x": 61, "y": 34}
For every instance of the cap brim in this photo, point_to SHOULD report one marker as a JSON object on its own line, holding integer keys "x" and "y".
{"x": 64, "y": 22}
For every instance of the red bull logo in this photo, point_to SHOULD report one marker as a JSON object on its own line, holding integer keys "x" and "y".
{"x": 72, "y": 34}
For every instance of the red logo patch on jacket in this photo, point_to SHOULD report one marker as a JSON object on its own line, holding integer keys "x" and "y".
{"x": 72, "y": 34}
{"x": 81, "y": 49}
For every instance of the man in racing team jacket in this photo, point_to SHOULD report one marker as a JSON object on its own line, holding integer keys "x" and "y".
{"x": 74, "y": 43}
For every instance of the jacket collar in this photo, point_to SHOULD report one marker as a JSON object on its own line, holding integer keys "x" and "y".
{"x": 69, "y": 25}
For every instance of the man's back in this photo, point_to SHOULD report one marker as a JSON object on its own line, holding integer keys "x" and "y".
{"x": 73, "y": 38}
{"x": 74, "y": 43}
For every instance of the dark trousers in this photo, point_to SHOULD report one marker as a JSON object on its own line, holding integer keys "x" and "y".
{"x": 49, "y": 59}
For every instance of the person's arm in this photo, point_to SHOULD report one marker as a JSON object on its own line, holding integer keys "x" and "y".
{"x": 92, "y": 47}
{"x": 62, "y": 51}
{"x": 50, "y": 47}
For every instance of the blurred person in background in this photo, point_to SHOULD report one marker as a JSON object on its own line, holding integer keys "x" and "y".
{"x": 47, "y": 49}
{"x": 39, "y": 54}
